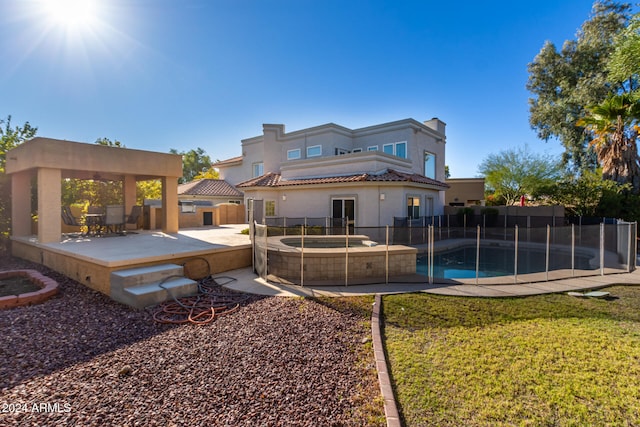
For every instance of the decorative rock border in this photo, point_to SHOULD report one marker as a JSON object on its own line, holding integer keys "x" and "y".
{"x": 48, "y": 288}
{"x": 390, "y": 407}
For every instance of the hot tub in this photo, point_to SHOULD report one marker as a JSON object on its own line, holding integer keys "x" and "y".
{"x": 327, "y": 260}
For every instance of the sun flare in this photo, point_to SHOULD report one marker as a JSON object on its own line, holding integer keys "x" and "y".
{"x": 71, "y": 14}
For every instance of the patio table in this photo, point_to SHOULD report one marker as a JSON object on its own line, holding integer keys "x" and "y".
{"x": 94, "y": 222}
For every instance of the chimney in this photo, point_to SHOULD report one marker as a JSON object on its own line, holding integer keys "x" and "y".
{"x": 436, "y": 124}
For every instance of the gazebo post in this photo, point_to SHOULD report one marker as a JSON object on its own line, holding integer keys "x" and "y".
{"x": 21, "y": 204}
{"x": 170, "y": 204}
{"x": 49, "y": 205}
{"x": 129, "y": 191}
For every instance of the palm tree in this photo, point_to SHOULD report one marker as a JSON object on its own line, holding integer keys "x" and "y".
{"x": 614, "y": 124}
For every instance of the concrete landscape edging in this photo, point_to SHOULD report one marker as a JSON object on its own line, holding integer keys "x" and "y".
{"x": 386, "y": 389}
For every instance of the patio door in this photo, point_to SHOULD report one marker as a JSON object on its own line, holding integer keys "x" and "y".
{"x": 344, "y": 208}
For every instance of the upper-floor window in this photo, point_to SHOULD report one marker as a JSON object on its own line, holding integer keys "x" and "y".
{"x": 341, "y": 151}
{"x": 314, "y": 151}
{"x": 397, "y": 149}
{"x": 293, "y": 154}
{"x": 429, "y": 165}
{"x": 258, "y": 169}
{"x": 372, "y": 148}
{"x": 357, "y": 150}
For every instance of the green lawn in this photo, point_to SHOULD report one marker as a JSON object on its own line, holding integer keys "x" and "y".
{"x": 550, "y": 360}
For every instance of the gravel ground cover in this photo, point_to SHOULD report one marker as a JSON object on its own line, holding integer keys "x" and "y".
{"x": 81, "y": 359}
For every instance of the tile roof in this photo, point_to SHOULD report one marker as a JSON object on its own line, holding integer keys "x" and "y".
{"x": 209, "y": 187}
{"x": 225, "y": 162}
{"x": 275, "y": 180}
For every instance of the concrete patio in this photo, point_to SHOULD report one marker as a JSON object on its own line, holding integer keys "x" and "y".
{"x": 90, "y": 260}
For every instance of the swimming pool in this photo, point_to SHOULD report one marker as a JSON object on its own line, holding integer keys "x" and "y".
{"x": 495, "y": 261}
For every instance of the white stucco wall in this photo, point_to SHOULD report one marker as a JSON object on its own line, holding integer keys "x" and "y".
{"x": 272, "y": 147}
{"x": 371, "y": 209}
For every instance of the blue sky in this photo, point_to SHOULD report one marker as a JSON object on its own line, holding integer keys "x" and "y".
{"x": 161, "y": 74}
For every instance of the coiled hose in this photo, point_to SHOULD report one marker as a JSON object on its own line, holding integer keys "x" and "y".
{"x": 202, "y": 308}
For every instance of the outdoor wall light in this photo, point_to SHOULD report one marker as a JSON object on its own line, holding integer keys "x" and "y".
{"x": 284, "y": 197}
{"x": 382, "y": 196}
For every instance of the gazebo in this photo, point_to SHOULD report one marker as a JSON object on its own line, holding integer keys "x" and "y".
{"x": 52, "y": 160}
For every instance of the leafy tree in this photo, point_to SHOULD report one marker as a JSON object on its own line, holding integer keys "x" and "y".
{"x": 210, "y": 173}
{"x": 150, "y": 189}
{"x": 107, "y": 142}
{"x": 580, "y": 194}
{"x": 513, "y": 173}
{"x": 589, "y": 195}
{"x": 565, "y": 82}
{"x": 624, "y": 65}
{"x": 12, "y": 137}
{"x": 194, "y": 163}
{"x": 614, "y": 124}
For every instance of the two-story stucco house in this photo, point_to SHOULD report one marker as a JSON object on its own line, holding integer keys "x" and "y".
{"x": 369, "y": 175}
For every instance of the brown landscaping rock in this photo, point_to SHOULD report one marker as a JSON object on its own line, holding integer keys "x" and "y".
{"x": 87, "y": 360}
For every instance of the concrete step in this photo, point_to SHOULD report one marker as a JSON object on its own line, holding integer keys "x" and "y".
{"x": 143, "y": 275}
{"x": 154, "y": 293}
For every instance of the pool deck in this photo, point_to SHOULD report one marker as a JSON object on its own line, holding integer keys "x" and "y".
{"x": 246, "y": 281}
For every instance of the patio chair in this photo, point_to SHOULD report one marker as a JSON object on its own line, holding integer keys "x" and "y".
{"x": 94, "y": 220}
{"x": 68, "y": 218}
{"x": 134, "y": 216}
{"x": 95, "y": 210}
{"x": 114, "y": 218}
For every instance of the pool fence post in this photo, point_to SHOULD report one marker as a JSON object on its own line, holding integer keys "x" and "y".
{"x": 573, "y": 250}
{"x": 386, "y": 256}
{"x": 464, "y": 225}
{"x": 484, "y": 226}
{"x": 302, "y": 257}
{"x": 629, "y": 249}
{"x": 266, "y": 251}
{"x": 428, "y": 258}
{"x": 546, "y": 274}
{"x": 433, "y": 251}
{"x": 635, "y": 246}
{"x": 505, "y": 225}
{"x": 410, "y": 230}
{"x": 326, "y": 225}
{"x": 252, "y": 232}
{"x": 477, "y": 252}
{"x": 424, "y": 228}
{"x": 448, "y": 226}
{"x": 346, "y": 255}
{"x": 440, "y": 226}
{"x": 602, "y": 248}
{"x": 430, "y": 254}
{"x": 515, "y": 256}
{"x": 580, "y": 229}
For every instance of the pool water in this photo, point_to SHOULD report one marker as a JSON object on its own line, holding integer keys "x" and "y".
{"x": 311, "y": 242}
{"x": 495, "y": 261}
